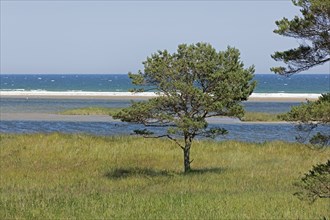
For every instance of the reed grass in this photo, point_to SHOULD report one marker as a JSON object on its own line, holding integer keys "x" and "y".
{"x": 261, "y": 117}
{"x": 55, "y": 176}
{"x": 91, "y": 111}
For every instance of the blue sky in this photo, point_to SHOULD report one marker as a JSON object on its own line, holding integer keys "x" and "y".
{"x": 116, "y": 36}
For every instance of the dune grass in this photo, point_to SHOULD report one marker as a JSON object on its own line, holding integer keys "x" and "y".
{"x": 261, "y": 117}
{"x": 91, "y": 111}
{"x": 48, "y": 176}
{"x": 248, "y": 116}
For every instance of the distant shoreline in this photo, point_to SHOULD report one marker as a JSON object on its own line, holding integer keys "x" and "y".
{"x": 145, "y": 95}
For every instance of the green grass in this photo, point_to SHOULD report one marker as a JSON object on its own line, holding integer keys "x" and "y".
{"x": 248, "y": 117}
{"x": 48, "y": 176}
{"x": 261, "y": 117}
{"x": 91, "y": 111}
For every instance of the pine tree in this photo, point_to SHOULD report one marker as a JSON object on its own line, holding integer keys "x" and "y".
{"x": 193, "y": 84}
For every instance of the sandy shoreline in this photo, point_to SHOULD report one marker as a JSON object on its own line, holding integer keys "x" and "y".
{"x": 258, "y": 97}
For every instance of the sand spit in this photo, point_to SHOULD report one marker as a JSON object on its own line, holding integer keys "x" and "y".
{"x": 263, "y": 97}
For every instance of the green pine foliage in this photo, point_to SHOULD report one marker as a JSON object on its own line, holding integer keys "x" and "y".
{"x": 316, "y": 183}
{"x": 308, "y": 116}
{"x": 313, "y": 31}
{"x": 318, "y": 111}
{"x": 194, "y": 83}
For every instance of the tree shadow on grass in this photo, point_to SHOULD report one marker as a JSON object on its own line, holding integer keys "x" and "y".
{"x": 120, "y": 173}
{"x": 216, "y": 170}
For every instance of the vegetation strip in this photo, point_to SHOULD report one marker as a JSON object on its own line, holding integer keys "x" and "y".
{"x": 91, "y": 111}
{"x": 261, "y": 117}
{"x": 248, "y": 116}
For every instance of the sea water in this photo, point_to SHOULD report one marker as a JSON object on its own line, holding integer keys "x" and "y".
{"x": 267, "y": 84}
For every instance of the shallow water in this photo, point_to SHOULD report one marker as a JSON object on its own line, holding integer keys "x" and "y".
{"x": 251, "y": 132}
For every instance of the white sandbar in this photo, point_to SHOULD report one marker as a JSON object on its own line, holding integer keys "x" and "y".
{"x": 145, "y": 95}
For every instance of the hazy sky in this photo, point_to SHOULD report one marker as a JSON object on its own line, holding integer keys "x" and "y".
{"x": 116, "y": 36}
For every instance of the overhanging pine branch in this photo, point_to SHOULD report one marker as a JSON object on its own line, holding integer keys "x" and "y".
{"x": 169, "y": 137}
{"x": 292, "y": 70}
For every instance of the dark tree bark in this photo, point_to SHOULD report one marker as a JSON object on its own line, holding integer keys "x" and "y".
{"x": 186, "y": 153}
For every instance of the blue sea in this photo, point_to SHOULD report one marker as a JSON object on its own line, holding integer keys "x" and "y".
{"x": 267, "y": 83}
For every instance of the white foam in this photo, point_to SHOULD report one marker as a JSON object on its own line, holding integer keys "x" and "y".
{"x": 75, "y": 93}
{"x": 32, "y": 93}
{"x": 285, "y": 95}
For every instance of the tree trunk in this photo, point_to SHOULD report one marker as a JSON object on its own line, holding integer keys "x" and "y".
{"x": 186, "y": 154}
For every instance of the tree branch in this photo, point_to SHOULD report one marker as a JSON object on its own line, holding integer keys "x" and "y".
{"x": 169, "y": 137}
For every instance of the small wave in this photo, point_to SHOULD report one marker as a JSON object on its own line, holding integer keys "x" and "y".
{"x": 12, "y": 90}
{"x": 76, "y": 93}
{"x": 37, "y": 90}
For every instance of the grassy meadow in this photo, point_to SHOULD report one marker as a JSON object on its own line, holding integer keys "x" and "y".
{"x": 48, "y": 176}
{"x": 248, "y": 116}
